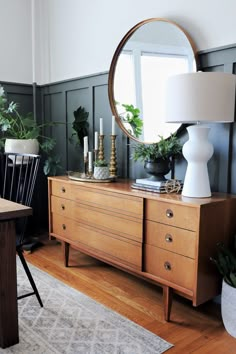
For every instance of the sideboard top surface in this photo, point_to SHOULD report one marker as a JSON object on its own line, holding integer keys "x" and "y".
{"x": 123, "y": 186}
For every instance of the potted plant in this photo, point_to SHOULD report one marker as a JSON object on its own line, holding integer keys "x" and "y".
{"x": 225, "y": 262}
{"x": 156, "y": 156}
{"x": 21, "y": 133}
{"x": 101, "y": 169}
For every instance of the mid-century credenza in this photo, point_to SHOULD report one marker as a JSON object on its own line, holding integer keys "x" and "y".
{"x": 167, "y": 239}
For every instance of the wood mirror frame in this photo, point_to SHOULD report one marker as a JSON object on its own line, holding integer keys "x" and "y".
{"x": 166, "y": 27}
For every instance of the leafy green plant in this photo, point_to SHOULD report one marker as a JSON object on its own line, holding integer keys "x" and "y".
{"x": 225, "y": 262}
{"x": 14, "y": 125}
{"x": 80, "y": 125}
{"x": 163, "y": 149}
{"x": 131, "y": 116}
{"x": 100, "y": 163}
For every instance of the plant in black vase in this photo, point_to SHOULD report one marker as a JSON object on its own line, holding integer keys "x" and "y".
{"x": 157, "y": 156}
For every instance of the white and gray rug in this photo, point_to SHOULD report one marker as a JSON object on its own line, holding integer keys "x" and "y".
{"x": 72, "y": 323}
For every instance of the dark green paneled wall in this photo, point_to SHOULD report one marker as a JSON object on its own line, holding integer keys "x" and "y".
{"x": 58, "y": 101}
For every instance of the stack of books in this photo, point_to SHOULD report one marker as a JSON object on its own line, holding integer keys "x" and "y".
{"x": 147, "y": 184}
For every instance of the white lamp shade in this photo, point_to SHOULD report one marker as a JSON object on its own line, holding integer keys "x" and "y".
{"x": 201, "y": 96}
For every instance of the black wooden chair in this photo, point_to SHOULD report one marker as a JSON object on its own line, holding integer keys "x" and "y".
{"x": 18, "y": 174}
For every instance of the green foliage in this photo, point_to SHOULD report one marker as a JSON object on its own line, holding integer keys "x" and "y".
{"x": 52, "y": 165}
{"x": 80, "y": 125}
{"x": 225, "y": 262}
{"x": 100, "y": 163}
{"x": 131, "y": 116}
{"x": 163, "y": 149}
{"x": 14, "y": 125}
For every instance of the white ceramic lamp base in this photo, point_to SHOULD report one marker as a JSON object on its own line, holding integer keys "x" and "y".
{"x": 197, "y": 151}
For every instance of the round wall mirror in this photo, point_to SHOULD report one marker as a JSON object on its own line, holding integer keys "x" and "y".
{"x": 148, "y": 54}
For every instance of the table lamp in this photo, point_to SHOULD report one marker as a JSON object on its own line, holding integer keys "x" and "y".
{"x": 196, "y": 98}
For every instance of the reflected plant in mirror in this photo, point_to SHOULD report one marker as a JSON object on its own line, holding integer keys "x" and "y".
{"x": 157, "y": 156}
{"x": 130, "y": 117}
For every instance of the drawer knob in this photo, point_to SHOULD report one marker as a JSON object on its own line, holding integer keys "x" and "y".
{"x": 168, "y": 238}
{"x": 63, "y": 207}
{"x": 64, "y": 226}
{"x": 167, "y": 265}
{"x": 63, "y": 189}
{"x": 169, "y": 213}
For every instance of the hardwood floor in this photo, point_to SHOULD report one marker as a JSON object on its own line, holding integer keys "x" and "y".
{"x": 191, "y": 330}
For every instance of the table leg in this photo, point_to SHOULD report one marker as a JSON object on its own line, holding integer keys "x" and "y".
{"x": 9, "y": 333}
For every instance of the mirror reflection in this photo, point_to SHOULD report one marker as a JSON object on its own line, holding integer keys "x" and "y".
{"x": 151, "y": 52}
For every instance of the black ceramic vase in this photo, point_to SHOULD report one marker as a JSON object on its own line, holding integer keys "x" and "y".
{"x": 157, "y": 169}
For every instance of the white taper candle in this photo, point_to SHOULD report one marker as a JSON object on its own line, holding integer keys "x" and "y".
{"x": 85, "y": 146}
{"x": 101, "y": 126}
{"x": 113, "y": 129}
{"x": 96, "y": 140}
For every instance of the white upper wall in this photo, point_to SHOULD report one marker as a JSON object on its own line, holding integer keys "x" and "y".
{"x": 15, "y": 48}
{"x": 83, "y": 35}
{"x": 75, "y": 38}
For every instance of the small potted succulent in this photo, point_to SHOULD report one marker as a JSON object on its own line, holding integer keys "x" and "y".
{"x": 225, "y": 262}
{"x": 101, "y": 169}
{"x": 156, "y": 156}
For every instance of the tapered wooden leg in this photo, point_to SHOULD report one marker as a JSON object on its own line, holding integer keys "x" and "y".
{"x": 65, "y": 250}
{"x": 167, "y": 297}
{"x": 8, "y": 289}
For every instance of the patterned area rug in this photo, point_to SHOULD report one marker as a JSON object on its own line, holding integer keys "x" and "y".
{"x": 72, "y": 323}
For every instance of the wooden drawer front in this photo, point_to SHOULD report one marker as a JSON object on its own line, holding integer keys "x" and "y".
{"x": 127, "y": 227}
{"x": 178, "y": 215}
{"x": 61, "y": 189}
{"x": 171, "y": 238}
{"x": 62, "y": 206}
{"x": 170, "y": 266}
{"x": 118, "y": 203}
{"x": 71, "y": 231}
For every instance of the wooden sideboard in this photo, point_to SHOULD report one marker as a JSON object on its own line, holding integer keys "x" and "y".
{"x": 163, "y": 238}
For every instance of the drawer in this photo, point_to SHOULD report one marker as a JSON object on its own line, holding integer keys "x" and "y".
{"x": 98, "y": 241}
{"x": 169, "y": 266}
{"x": 61, "y": 189}
{"x": 62, "y": 206}
{"x": 122, "y": 225}
{"x": 186, "y": 217}
{"x": 171, "y": 238}
{"x": 116, "y": 202}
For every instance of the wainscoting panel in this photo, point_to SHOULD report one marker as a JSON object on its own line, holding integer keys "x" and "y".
{"x": 58, "y": 101}
{"x": 92, "y": 94}
{"x": 222, "y": 166}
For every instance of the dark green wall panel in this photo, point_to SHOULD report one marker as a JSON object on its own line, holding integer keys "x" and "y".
{"x": 58, "y": 101}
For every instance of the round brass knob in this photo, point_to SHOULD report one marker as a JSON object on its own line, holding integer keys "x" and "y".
{"x": 167, "y": 265}
{"x": 63, "y": 189}
{"x": 64, "y": 226}
{"x": 168, "y": 238}
{"x": 169, "y": 213}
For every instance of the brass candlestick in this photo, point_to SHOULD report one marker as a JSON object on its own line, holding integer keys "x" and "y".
{"x": 101, "y": 155}
{"x": 113, "y": 161}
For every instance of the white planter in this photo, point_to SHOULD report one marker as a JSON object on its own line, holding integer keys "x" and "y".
{"x": 228, "y": 308}
{"x": 22, "y": 146}
{"x": 101, "y": 172}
